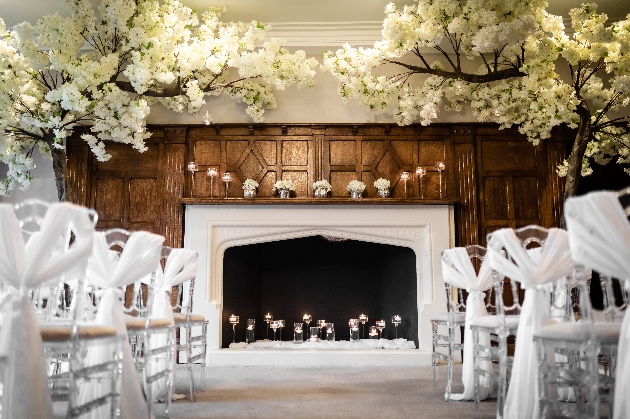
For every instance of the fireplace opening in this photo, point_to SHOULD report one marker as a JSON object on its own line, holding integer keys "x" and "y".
{"x": 326, "y": 278}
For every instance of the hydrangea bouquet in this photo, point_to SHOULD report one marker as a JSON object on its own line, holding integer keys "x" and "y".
{"x": 283, "y": 184}
{"x": 355, "y": 186}
{"x": 381, "y": 183}
{"x": 322, "y": 184}
{"x": 250, "y": 185}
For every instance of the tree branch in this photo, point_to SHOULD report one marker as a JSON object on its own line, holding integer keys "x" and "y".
{"x": 468, "y": 77}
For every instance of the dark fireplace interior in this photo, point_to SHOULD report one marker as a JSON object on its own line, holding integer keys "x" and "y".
{"x": 330, "y": 280}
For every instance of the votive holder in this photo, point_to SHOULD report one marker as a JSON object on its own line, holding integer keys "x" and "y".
{"x": 330, "y": 331}
{"x": 313, "y": 334}
{"x": 250, "y": 331}
{"x": 373, "y": 334}
{"x": 354, "y": 329}
{"x": 298, "y": 332}
{"x": 396, "y": 320}
{"x": 380, "y": 325}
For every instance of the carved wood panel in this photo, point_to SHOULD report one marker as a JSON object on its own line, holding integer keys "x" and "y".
{"x": 500, "y": 179}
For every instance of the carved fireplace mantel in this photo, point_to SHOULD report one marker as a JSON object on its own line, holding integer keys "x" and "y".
{"x": 213, "y": 226}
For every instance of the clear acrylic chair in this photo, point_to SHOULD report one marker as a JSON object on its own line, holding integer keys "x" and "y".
{"x": 66, "y": 334}
{"x": 194, "y": 345}
{"x": 454, "y": 318}
{"x": 155, "y": 362}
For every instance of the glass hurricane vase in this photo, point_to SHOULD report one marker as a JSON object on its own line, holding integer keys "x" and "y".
{"x": 382, "y": 192}
{"x": 321, "y": 193}
{"x": 356, "y": 194}
{"x": 284, "y": 193}
{"x": 249, "y": 193}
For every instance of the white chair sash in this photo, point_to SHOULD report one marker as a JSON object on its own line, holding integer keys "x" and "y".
{"x": 554, "y": 262}
{"x": 599, "y": 237}
{"x": 461, "y": 273}
{"x": 140, "y": 256}
{"x": 26, "y": 266}
{"x": 181, "y": 266}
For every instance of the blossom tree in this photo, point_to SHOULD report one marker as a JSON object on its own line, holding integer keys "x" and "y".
{"x": 517, "y": 44}
{"x": 105, "y": 68}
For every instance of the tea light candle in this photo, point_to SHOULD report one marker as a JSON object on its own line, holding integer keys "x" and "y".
{"x": 440, "y": 166}
{"x": 250, "y": 327}
{"x": 212, "y": 172}
{"x": 396, "y": 318}
{"x": 363, "y": 318}
{"x": 227, "y": 177}
{"x": 192, "y": 166}
{"x": 307, "y": 318}
{"x": 233, "y": 319}
{"x": 280, "y": 324}
{"x": 404, "y": 176}
{"x": 373, "y": 333}
{"x": 268, "y": 317}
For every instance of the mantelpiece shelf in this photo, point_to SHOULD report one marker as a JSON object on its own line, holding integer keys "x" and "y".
{"x": 316, "y": 201}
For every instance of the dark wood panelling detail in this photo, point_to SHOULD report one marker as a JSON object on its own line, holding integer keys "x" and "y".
{"x": 499, "y": 179}
{"x": 78, "y": 173}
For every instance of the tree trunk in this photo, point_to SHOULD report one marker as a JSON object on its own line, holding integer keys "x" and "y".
{"x": 574, "y": 170}
{"x": 60, "y": 167}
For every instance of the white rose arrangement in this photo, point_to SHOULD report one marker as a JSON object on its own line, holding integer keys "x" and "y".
{"x": 283, "y": 184}
{"x": 322, "y": 184}
{"x": 250, "y": 185}
{"x": 355, "y": 186}
{"x": 381, "y": 183}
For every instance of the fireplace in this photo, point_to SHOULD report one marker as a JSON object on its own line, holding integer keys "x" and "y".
{"x": 331, "y": 279}
{"x": 215, "y": 229}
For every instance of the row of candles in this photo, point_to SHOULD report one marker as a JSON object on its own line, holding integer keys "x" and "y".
{"x": 227, "y": 177}
{"x": 314, "y": 332}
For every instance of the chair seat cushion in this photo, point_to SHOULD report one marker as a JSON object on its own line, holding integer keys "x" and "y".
{"x": 195, "y": 318}
{"x": 607, "y": 333}
{"x": 458, "y": 317}
{"x": 493, "y": 322}
{"x": 133, "y": 323}
{"x": 61, "y": 332}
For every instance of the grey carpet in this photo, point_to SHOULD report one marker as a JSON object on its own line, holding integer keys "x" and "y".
{"x": 352, "y": 392}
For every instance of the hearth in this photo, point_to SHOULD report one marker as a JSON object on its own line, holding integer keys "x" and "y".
{"x": 216, "y": 229}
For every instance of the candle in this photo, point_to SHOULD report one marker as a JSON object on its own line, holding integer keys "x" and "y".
{"x": 212, "y": 172}
{"x": 397, "y": 318}
{"x": 440, "y": 166}
{"x": 268, "y": 317}
{"x": 227, "y": 177}
{"x": 232, "y": 318}
{"x": 363, "y": 318}
{"x": 307, "y": 318}
{"x": 404, "y": 176}
{"x": 192, "y": 166}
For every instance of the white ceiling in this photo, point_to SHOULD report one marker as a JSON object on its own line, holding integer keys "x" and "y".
{"x": 309, "y": 24}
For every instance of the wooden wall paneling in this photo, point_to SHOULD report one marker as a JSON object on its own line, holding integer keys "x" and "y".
{"x": 466, "y": 187}
{"x": 173, "y": 177}
{"x": 79, "y": 167}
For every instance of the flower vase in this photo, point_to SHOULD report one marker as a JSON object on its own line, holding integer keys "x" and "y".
{"x": 356, "y": 194}
{"x": 321, "y": 193}
{"x": 382, "y": 192}
{"x": 249, "y": 193}
{"x": 284, "y": 193}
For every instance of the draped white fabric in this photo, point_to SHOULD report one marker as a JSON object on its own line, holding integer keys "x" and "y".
{"x": 25, "y": 266}
{"x": 599, "y": 237}
{"x": 181, "y": 266}
{"x": 554, "y": 263}
{"x": 460, "y": 273}
{"x": 140, "y": 257}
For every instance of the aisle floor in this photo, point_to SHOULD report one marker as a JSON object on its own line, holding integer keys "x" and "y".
{"x": 349, "y": 392}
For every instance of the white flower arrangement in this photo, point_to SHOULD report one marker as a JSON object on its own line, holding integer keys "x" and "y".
{"x": 322, "y": 184}
{"x": 283, "y": 184}
{"x": 381, "y": 184}
{"x": 250, "y": 185}
{"x": 355, "y": 186}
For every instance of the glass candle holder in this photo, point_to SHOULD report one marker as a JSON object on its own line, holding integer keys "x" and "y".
{"x": 363, "y": 318}
{"x": 404, "y": 176}
{"x": 193, "y": 168}
{"x": 396, "y": 321}
{"x": 250, "y": 331}
{"x": 267, "y": 318}
{"x": 212, "y": 173}
{"x": 321, "y": 324}
{"x": 274, "y": 326}
{"x": 298, "y": 332}
{"x": 227, "y": 178}
{"x": 281, "y": 326}
{"x": 330, "y": 331}
{"x": 354, "y": 329}
{"x": 421, "y": 172}
{"x": 307, "y": 319}
{"x": 207, "y": 119}
{"x": 234, "y": 321}
{"x": 380, "y": 325}
{"x": 373, "y": 333}
{"x": 440, "y": 166}
{"x": 313, "y": 334}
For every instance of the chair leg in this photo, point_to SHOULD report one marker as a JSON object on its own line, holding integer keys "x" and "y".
{"x": 449, "y": 371}
{"x": 476, "y": 367}
{"x": 191, "y": 376}
{"x": 170, "y": 359}
{"x": 204, "y": 346}
{"x": 434, "y": 328}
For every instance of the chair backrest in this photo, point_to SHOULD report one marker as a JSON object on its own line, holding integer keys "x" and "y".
{"x": 54, "y": 298}
{"x": 531, "y": 238}
{"x": 183, "y": 301}
{"x": 475, "y": 253}
{"x": 624, "y": 199}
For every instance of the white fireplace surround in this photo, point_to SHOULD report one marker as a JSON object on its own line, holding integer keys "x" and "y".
{"x": 211, "y": 229}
